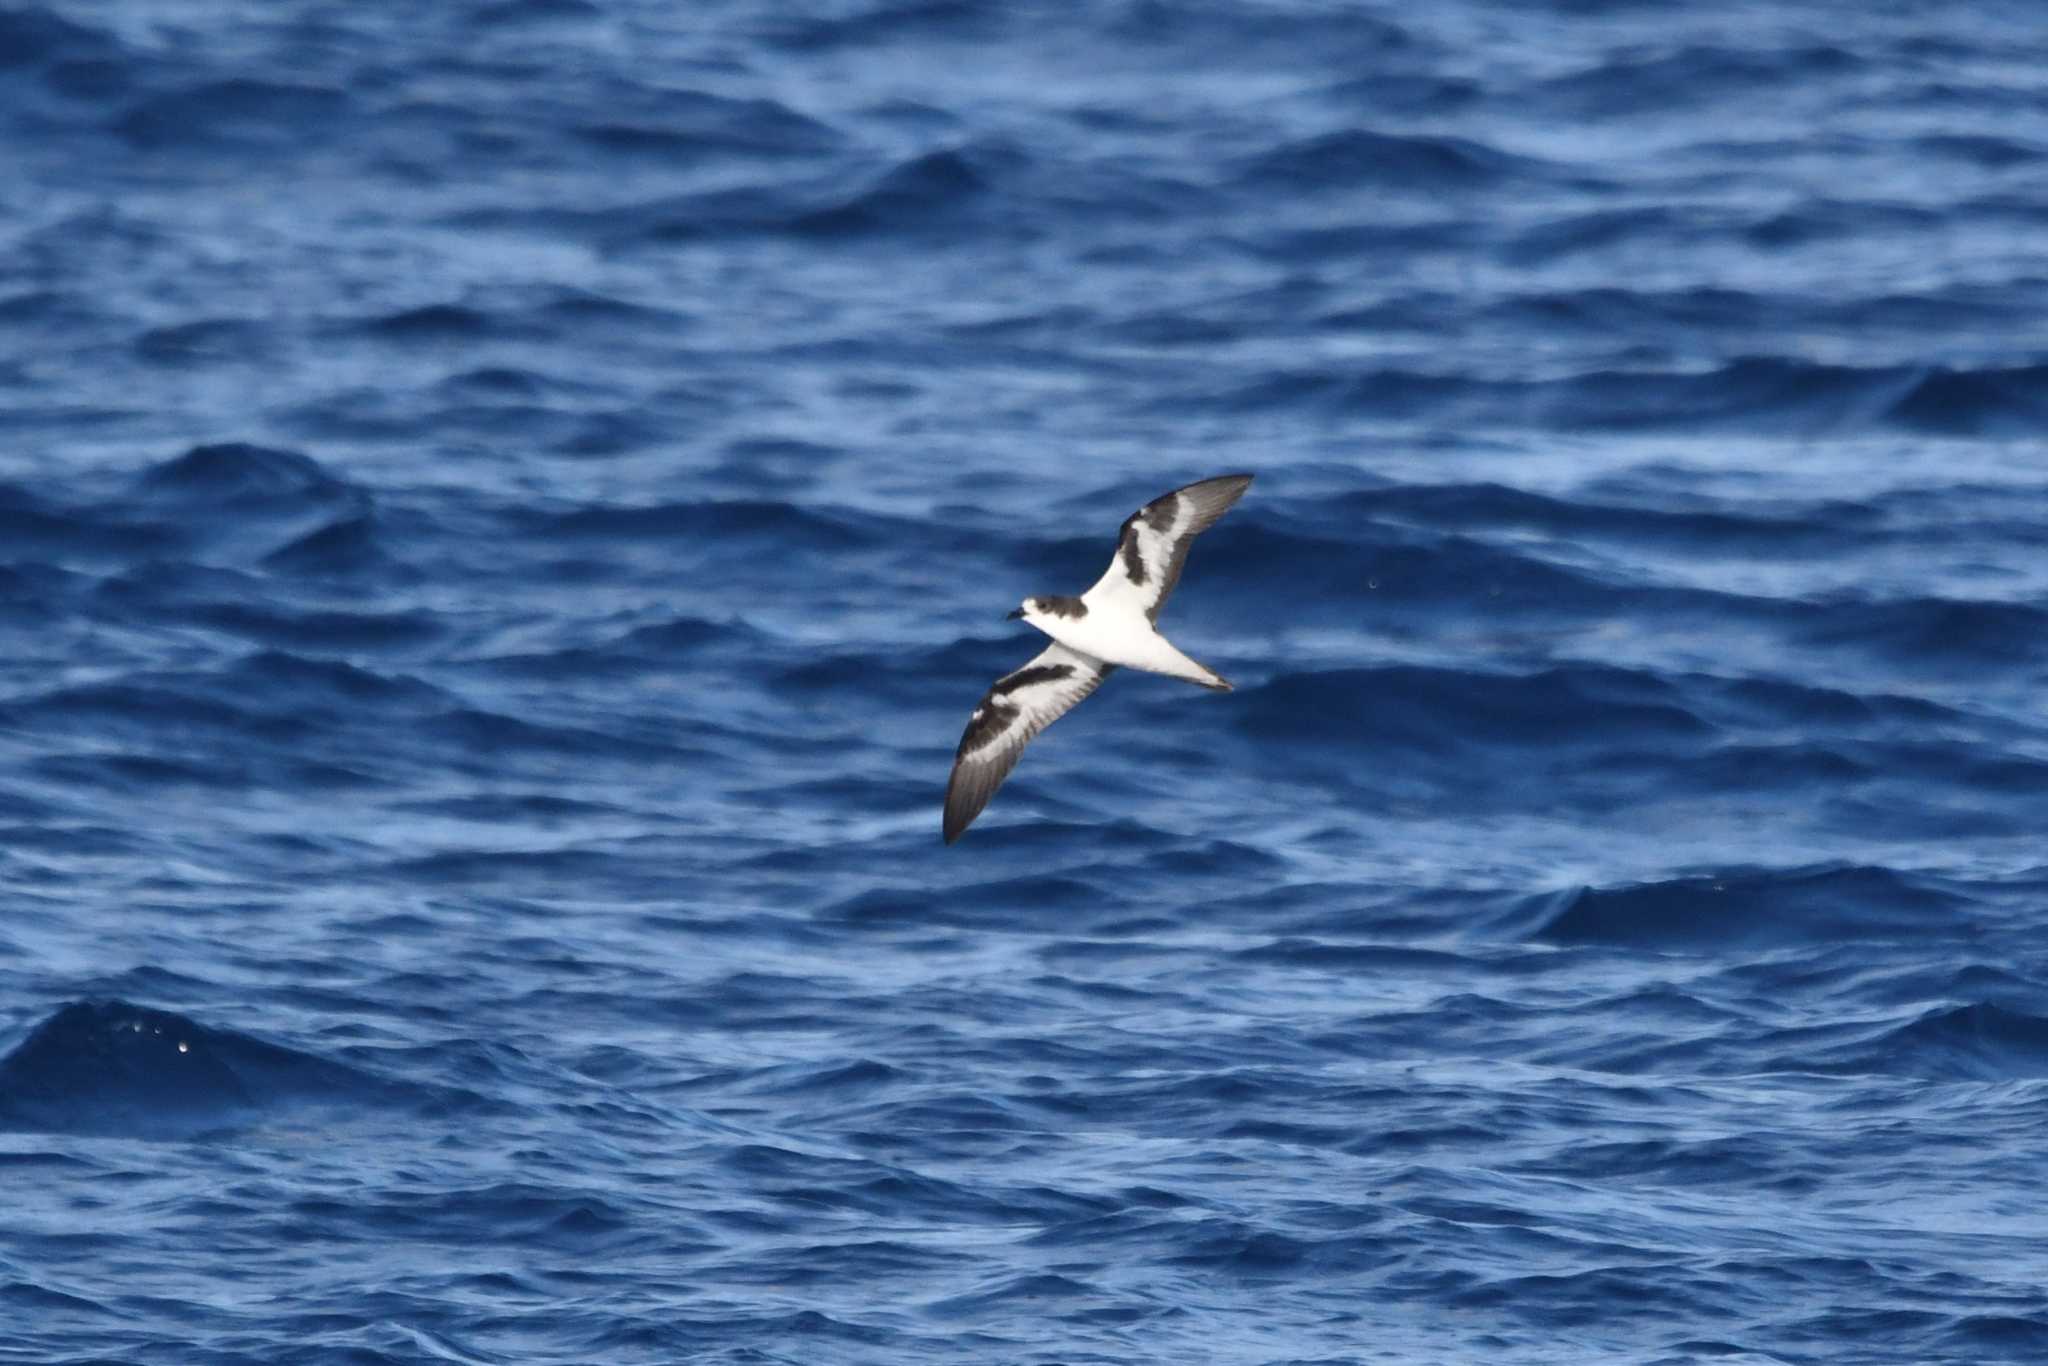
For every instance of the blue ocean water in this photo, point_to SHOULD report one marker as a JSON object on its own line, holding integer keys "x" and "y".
{"x": 505, "y": 509}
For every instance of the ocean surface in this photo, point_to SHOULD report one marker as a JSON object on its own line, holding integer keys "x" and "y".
{"x": 505, "y": 509}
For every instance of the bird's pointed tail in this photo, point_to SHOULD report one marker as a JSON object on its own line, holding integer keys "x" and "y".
{"x": 1169, "y": 660}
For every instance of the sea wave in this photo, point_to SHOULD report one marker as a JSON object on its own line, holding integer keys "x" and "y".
{"x": 506, "y": 509}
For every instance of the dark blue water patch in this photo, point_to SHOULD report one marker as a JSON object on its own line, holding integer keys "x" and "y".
{"x": 1439, "y": 710}
{"x": 1408, "y": 94}
{"x": 570, "y": 308}
{"x": 271, "y": 720}
{"x": 233, "y": 501}
{"x": 348, "y": 548}
{"x": 1325, "y": 912}
{"x": 500, "y": 382}
{"x": 1206, "y": 323}
{"x": 33, "y": 595}
{"x": 1075, "y": 900}
{"x": 1827, "y": 528}
{"x": 1977, "y": 1041}
{"x": 92, "y": 240}
{"x": 779, "y": 466}
{"x": 918, "y": 22}
{"x": 2014, "y": 1333}
{"x": 241, "y": 476}
{"x": 493, "y": 870}
{"x": 972, "y": 194}
{"x": 110, "y": 1067}
{"x": 435, "y": 323}
{"x": 314, "y": 630}
{"x": 1986, "y": 770}
{"x": 658, "y": 648}
{"x": 896, "y": 796}
{"x": 582, "y": 427}
{"x": 803, "y": 1180}
{"x": 1824, "y": 220}
{"x": 1227, "y": 36}
{"x": 961, "y": 669}
{"x": 31, "y": 812}
{"x": 487, "y": 733}
{"x": 46, "y": 838}
{"x": 44, "y": 1303}
{"x": 1629, "y": 81}
{"x": 1596, "y": 230}
{"x": 1776, "y": 768}
{"x": 727, "y": 213}
{"x": 137, "y": 776}
{"x": 207, "y": 343}
{"x": 513, "y": 1213}
{"x": 519, "y": 313}
{"x": 1358, "y": 159}
{"x": 1942, "y": 1042}
{"x": 682, "y": 125}
{"x": 32, "y": 527}
{"x": 1735, "y": 1162}
{"x": 1800, "y": 706}
{"x": 316, "y": 688}
{"x": 1759, "y": 394}
{"x": 1988, "y": 150}
{"x": 523, "y": 13}
{"x": 238, "y": 114}
{"x": 598, "y": 435}
{"x": 1238, "y": 1250}
{"x": 763, "y": 523}
{"x": 545, "y": 426}
{"x": 1994, "y": 401}
{"x": 1936, "y": 634}
{"x": 764, "y": 1001}
{"x": 52, "y": 312}
{"x": 1376, "y": 572}
{"x": 935, "y": 192}
{"x": 1215, "y": 857}
{"x": 1679, "y": 316}
{"x": 1823, "y": 905}
{"x": 101, "y": 80}
{"x": 34, "y": 36}
{"x": 837, "y": 1080}
{"x": 141, "y": 711}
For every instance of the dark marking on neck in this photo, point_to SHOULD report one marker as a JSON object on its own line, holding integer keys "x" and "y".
{"x": 1062, "y": 607}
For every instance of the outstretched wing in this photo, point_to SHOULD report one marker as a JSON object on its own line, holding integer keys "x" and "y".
{"x": 1019, "y": 706}
{"x": 1154, "y": 542}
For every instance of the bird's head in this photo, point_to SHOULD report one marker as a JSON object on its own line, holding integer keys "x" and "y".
{"x": 1042, "y": 611}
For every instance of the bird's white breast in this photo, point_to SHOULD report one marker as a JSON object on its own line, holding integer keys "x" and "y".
{"x": 1118, "y": 633}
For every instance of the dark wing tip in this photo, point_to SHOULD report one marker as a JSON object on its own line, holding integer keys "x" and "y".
{"x": 1211, "y": 498}
{"x": 958, "y": 815}
{"x": 967, "y": 794}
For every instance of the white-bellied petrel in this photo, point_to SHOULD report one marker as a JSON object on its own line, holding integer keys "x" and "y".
{"x": 1113, "y": 623}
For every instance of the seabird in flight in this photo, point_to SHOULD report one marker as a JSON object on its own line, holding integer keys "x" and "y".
{"x": 1113, "y": 623}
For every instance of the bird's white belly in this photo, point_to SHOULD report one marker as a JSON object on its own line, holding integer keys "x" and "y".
{"x": 1115, "y": 638}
